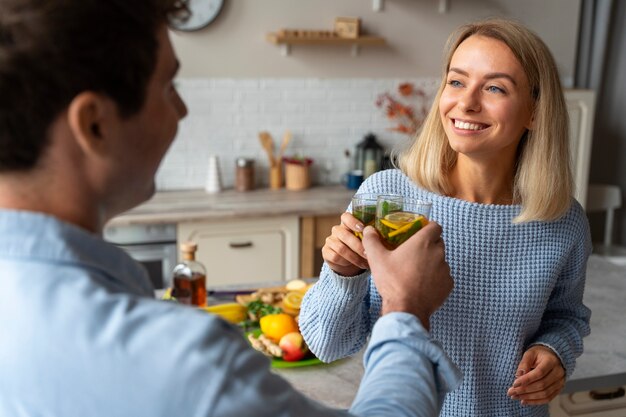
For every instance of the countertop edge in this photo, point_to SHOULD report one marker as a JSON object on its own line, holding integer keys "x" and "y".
{"x": 196, "y": 205}
{"x": 594, "y": 382}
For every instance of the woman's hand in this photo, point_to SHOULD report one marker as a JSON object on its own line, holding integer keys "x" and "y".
{"x": 343, "y": 251}
{"x": 539, "y": 378}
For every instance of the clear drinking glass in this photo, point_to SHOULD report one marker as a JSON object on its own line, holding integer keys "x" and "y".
{"x": 364, "y": 209}
{"x": 398, "y": 218}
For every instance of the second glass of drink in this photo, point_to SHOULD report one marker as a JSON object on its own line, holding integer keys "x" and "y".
{"x": 398, "y": 218}
{"x": 364, "y": 209}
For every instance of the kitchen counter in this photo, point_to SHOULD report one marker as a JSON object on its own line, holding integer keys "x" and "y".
{"x": 197, "y": 205}
{"x": 603, "y": 364}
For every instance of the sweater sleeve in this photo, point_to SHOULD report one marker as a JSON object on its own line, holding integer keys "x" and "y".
{"x": 335, "y": 318}
{"x": 566, "y": 319}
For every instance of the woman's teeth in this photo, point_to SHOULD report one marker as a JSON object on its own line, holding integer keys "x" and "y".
{"x": 468, "y": 126}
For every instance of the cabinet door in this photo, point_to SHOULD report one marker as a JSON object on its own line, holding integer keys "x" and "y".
{"x": 247, "y": 250}
{"x": 314, "y": 231}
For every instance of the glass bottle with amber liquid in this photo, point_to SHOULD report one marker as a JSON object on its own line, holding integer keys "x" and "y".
{"x": 190, "y": 277}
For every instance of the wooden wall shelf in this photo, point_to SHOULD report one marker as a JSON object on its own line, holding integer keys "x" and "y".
{"x": 356, "y": 43}
{"x": 379, "y": 5}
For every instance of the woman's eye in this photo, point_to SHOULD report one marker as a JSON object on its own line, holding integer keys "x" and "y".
{"x": 455, "y": 83}
{"x": 494, "y": 89}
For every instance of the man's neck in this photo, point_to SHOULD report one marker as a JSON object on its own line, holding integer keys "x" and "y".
{"x": 44, "y": 194}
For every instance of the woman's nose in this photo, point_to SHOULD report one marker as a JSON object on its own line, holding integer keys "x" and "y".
{"x": 470, "y": 100}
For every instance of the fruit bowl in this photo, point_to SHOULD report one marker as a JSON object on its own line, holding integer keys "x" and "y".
{"x": 281, "y": 364}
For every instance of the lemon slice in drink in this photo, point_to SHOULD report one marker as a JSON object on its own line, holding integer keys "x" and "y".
{"x": 410, "y": 227}
{"x": 401, "y": 218}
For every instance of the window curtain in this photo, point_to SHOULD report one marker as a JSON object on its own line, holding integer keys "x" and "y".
{"x": 595, "y": 26}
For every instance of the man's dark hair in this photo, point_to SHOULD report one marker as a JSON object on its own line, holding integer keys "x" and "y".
{"x": 52, "y": 50}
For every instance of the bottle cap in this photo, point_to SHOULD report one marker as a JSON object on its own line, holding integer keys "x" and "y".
{"x": 244, "y": 162}
{"x": 188, "y": 247}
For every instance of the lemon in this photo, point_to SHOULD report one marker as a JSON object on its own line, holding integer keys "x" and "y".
{"x": 276, "y": 326}
{"x": 231, "y": 312}
{"x": 296, "y": 285}
{"x": 402, "y": 217}
{"x": 291, "y": 311}
{"x": 293, "y": 300}
{"x": 167, "y": 295}
{"x": 410, "y": 228}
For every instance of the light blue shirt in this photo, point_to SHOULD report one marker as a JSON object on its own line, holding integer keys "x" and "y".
{"x": 81, "y": 336}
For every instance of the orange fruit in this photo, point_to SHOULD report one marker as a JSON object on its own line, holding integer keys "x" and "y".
{"x": 276, "y": 326}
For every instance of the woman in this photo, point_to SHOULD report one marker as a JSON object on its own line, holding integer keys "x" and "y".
{"x": 493, "y": 159}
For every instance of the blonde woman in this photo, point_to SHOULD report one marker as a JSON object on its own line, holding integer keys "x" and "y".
{"x": 493, "y": 159}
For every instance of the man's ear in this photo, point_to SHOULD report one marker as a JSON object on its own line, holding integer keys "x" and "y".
{"x": 91, "y": 117}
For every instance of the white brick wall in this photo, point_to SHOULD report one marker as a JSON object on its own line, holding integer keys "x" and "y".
{"x": 325, "y": 117}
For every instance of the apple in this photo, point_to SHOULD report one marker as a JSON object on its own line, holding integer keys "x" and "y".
{"x": 293, "y": 347}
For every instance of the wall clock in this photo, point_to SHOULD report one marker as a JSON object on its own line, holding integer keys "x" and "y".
{"x": 203, "y": 12}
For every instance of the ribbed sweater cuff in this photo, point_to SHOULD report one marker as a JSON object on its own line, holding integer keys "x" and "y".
{"x": 561, "y": 348}
{"x": 355, "y": 282}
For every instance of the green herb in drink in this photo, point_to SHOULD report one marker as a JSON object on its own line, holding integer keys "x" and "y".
{"x": 397, "y": 227}
{"x": 366, "y": 214}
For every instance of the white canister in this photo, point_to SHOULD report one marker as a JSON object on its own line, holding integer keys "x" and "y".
{"x": 214, "y": 179}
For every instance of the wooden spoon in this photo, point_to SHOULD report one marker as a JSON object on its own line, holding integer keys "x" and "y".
{"x": 283, "y": 145}
{"x": 268, "y": 144}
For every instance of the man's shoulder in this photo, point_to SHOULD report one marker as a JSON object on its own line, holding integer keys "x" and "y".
{"x": 120, "y": 344}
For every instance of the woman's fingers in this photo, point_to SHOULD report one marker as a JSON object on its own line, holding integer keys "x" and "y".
{"x": 541, "y": 377}
{"x": 338, "y": 253}
{"x": 342, "y": 250}
{"x": 543, "y": 395}
{"x": 348, "y": 238}
{"x": 351, "y": 222}
{"x": 538, "y": 384}
{"x": 532, "y": 377}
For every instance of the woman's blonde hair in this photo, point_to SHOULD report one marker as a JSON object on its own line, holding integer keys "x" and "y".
{"x": 543, "y": 180}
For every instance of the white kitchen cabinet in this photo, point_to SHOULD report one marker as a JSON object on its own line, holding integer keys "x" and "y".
{"x": 581, "y": 109}
{"x": 246, "y": 250}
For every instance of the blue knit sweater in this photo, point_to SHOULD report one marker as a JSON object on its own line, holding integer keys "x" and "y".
{"x": 515, "y": 285}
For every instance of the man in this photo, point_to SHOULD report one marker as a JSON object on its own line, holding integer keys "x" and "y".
{"x": 88, "y": 110}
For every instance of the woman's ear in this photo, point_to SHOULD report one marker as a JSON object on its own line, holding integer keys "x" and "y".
{"x": 91, "y": 118}
{"x": 531, "y": 123}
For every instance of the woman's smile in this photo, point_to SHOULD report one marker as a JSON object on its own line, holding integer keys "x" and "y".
{"x": 462, "y": 126}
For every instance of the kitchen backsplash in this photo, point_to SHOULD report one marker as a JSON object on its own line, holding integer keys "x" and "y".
{"x": 325, "y": 116}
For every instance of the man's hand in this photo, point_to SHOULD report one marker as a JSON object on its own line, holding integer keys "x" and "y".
{"x": 539, "y": 378}
{"x": 414, "y": 278}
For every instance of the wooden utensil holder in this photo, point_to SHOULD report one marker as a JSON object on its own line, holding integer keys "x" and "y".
{"x": 276, "y": 176}
{"x": 297, "y": 177}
